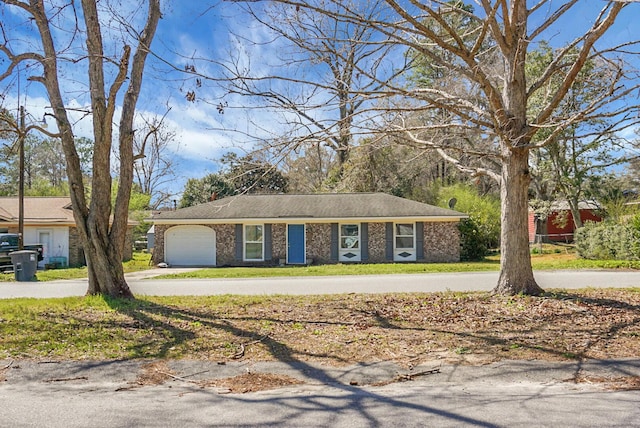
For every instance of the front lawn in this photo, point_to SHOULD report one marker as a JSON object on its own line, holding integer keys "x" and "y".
{"x": 409, "y": 328}
{"x": 492, "y": 263}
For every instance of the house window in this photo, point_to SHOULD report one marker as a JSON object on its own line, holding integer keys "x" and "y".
{"x": 350, "y": 243}
{"x": 254, "y": 242}
{"x": 404, "y": 242}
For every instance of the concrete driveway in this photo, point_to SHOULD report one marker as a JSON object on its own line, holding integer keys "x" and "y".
{"x": 142, "y": 284}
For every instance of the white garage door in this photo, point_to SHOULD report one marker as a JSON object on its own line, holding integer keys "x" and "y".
{"x": 190, "y": 246}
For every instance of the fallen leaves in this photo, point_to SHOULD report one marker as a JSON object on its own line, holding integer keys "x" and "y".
{"x": 339, "y": 329}
{"x": 251, "y": 382}
{"x": 612, "y": 383}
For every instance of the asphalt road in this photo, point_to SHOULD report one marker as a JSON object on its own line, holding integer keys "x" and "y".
{"x": 506, "y": 394}
{"x": 471, "y": 281}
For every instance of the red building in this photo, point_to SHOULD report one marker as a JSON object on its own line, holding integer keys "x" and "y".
{"x": 556, "y": 228}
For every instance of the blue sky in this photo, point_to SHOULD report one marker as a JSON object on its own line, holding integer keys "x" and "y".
{"x": 217, "y": 31}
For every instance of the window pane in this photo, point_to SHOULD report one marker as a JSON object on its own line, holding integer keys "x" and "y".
{"x": 253, "y": 233}
{"x": 349, "y": 242}
{"x": 254, "y": 251}
{"x": 404, "y": 229}
{"x": 404, "y": 242}
{"x": 349, "y": 229}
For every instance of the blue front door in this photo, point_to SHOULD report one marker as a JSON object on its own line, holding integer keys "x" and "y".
{"x": 295, "y": 244}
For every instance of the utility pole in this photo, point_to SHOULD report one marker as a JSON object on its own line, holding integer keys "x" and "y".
{"x": 21, "y": 138}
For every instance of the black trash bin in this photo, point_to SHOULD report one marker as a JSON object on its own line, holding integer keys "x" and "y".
{"x": 25, "y": 264}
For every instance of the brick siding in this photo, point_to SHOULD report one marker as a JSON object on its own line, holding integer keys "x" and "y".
{"x": 377, "y": 243}
{"x": 319, "y": 243}
{"x": 441, "y": 243}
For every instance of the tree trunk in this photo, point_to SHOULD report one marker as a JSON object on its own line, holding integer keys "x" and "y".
{"x": 516, "y": 274}
{"x": 105, "y": 272}
{"x": 102, "y": 235}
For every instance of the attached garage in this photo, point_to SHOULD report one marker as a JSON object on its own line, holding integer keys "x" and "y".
{"x": 190, "y": 246}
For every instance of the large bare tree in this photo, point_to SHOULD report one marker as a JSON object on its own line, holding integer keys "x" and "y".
{"x": 54, "y": 58}
{"x": 487, "y": 59}
{"x": 494, "y": 65}
{"x": 155, "y": 166}
{"x": 315, "y": 77}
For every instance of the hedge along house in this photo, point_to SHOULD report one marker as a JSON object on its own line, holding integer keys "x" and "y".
{"x": 254, "y": 230}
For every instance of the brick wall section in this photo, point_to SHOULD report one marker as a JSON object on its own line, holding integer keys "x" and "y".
{"x": 319, "y": 243}
{"x": 279, "y": 243}
{"x": 225, "y": 243}
{"x": 377, "y": 243}
{"x": 157, "y": 255}
{"x": 441, "y": 242}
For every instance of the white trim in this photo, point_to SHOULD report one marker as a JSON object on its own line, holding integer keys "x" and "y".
{"x": 356, "y": 251}
{"x": 412, "y": 252}
{"x": 245, "y": 242}
{"x": 47, "y": 247}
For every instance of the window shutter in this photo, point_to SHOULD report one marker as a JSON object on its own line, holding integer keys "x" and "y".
{"x": 389, "y": 241}
{"x": 364, "y": 244}
{"x": 268, "y": 246}
{"x": 420, "y": 240}
{"x": 334, "y": 242}
{"x": 239, "y": 242}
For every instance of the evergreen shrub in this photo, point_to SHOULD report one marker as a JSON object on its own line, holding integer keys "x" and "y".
{"x": 481, "y": 231}
{"x": 608, "y": 241}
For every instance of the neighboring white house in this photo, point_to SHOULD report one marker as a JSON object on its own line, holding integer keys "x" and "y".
{"x": 48, "y": 220}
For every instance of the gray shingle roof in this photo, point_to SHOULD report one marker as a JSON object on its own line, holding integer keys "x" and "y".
{"x": 325, "y": 206}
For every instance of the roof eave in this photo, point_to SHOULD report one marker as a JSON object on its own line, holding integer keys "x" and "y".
{"x": 285, "y": 220}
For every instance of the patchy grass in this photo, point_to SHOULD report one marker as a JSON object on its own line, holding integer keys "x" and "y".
{"x": 341, "y": 329}
{"x": 337, "y": 269}
{"x": 140, "y": 261}
{"x": 569, "y": 262}
{"x": 54, "y": 274}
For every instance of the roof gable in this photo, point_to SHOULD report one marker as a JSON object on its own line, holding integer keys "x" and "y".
{"x": 326, "y": 206}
